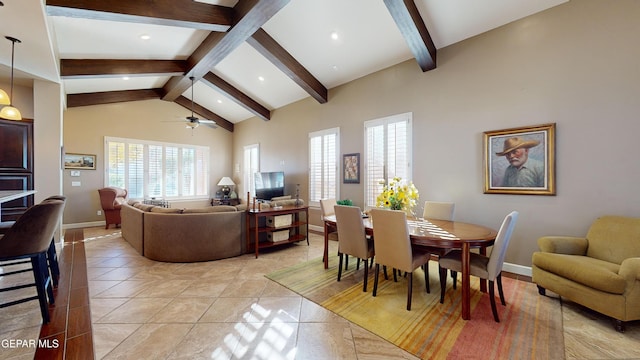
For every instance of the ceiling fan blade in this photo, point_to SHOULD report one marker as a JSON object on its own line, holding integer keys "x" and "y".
{"x": 205, "y": 121}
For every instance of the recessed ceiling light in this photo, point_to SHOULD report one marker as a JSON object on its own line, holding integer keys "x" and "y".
{"x": 334, "y": 35}
{"x": 219, "y": 101}
{"x": 125, "y": 78}
{"x": 145, "y": 36}
{"x": 334, "y": 67}
{"x": 260, "y": 78}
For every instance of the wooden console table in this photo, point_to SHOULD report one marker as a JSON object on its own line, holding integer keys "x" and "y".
{"x": 257, "y": 229}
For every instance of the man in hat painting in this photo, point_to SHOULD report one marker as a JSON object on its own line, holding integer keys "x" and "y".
{"x": 522, "y": 171}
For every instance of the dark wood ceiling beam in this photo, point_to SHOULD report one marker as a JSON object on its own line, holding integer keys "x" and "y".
{"x": 251, "y": 15}
{"x": 182, "y": 13}
{"x": 270, "y": 49}
{"x": 236, "y": 95}
{"x": 201, "y": 110}
{"x": 96, "y": 68}
{"x": 108, "y": 97}
{"x": 411, "y": 25}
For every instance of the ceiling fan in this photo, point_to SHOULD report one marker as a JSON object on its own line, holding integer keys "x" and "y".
{"x": 192, "y": 121}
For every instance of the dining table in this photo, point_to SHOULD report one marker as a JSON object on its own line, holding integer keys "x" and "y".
{"x": 9, "y": 195}
{"x": 439, "y": 235}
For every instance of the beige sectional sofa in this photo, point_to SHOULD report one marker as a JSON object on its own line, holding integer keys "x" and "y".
{"x": 184, "y": 235}
{"x": 600, "y": 271}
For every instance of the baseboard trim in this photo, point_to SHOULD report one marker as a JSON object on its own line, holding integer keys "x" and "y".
{"x": 517, "y": 269}
{"x": 84, "y": 225}
{"x": 316, "y": 228}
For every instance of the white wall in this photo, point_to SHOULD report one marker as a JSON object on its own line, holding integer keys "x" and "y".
{"x": 574, "y": 65}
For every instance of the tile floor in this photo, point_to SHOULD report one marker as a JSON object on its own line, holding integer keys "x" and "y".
{"x": 227, "y": 309}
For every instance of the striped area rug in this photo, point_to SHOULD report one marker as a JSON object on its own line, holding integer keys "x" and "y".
{"x": 530, "y": 325}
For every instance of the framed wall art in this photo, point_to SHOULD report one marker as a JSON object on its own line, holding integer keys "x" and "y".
{"x": 79, "y": 161}
{"x": 351, "y": 168}
{"x": 520, "y": 160}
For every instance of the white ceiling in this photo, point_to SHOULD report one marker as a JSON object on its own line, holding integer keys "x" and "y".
{"x": 369, "y": 40}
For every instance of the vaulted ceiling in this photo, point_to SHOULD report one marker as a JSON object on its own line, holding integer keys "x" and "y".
{"x": 248, "y": 57}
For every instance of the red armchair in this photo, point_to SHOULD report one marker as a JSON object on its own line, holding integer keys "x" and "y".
{"x": 111, "y": 199}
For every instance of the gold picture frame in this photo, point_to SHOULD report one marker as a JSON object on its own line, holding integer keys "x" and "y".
{"x": 520, "y": 160}
{"x": 79, "y": 161}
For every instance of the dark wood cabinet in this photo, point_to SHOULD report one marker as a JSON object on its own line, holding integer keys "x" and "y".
{"x": 16, "y": 164}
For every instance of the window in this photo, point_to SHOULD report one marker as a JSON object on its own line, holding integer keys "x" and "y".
{"x": 251, "y": 166}
{"x": 323, "y": 165}
{"x": 387, "y": 153}
{"x": 153, "y": 169}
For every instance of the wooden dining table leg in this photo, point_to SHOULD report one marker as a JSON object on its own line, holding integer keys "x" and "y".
{"x": 326, "y": 245}
{"x": 466, "y": 281}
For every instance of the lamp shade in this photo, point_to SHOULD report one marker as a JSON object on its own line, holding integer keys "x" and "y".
{"x": 4, "y": 98}
{"x": 226, "y": 181}
{"x": 10, "y": 113}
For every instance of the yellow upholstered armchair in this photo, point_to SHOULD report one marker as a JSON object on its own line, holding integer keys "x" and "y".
{"x": 600, "y": 271}
{"x": 111, "y": 199}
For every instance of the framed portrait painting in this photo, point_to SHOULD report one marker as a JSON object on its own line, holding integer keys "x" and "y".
{"x": 520, "y": 160}
{"x": 351, "y": 168}
{"x": 79, "y": 161}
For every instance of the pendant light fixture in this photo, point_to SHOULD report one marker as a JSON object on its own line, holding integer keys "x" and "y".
{"x": 8, "y": 111}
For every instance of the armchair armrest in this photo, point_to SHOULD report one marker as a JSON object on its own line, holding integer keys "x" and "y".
{"x": 630, "y": 270}
{"x": 568, "y": 245}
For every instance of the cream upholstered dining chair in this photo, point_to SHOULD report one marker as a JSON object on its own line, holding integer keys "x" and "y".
{"x": 438, "y": 210}
{"x": 353, "y": 238}
{"x": 489, "y": 268}
{"x": 393, "y": 248}
{"x": 326, "y": 206}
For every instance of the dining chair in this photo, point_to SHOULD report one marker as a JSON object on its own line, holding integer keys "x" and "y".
{"x": 52, "y": 256}
{"x": 484, "y": 267}
{"x": 392, "y": 246}
{"x": 353, "y": 238}
{"x": 440, "y": 210}
{"x": 30, "y": 238}
{"x": 327, "y": 209}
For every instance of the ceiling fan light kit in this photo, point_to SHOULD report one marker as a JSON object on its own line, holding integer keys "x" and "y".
{"x": 192, "y": 121}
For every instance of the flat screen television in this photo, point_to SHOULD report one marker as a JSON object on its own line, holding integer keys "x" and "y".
{"x": 269, "y": 184}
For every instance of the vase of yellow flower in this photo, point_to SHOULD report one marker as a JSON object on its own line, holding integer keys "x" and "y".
{"x": 398, "y": 195}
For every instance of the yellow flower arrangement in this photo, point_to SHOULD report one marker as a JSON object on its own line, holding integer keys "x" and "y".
{"x": 398, "y": 195}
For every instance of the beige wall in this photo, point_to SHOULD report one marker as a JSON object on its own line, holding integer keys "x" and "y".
{"x": 85, "y": 129}
{"x": 574, "y": 65}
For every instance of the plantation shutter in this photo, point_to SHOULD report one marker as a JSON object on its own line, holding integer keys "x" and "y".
{"x": 152, "y": 169}
{"x": 187, "y": 172}
{"x": 135, "y": 183}
{"x": 251, "y": 166}
{"x": 387, "y": 153}
{"x": 323, "y": 165}
{"x": 171, "y": 171}
{"x": 116, "y": 164}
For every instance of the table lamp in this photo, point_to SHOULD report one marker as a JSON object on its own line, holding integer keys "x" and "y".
{"x": 225, "y": 182}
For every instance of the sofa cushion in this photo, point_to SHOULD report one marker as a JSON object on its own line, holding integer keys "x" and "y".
{"x": 143, "y": 207}
{"x": 160, "y": 209}
{"x": 594, "y": 273}
{"x": 278, "y": 198}
{"x": 210, "y": 209}
{"x": 614, "y": 238}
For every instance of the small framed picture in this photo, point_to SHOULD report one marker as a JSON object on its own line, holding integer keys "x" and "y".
{"x": 79, "y": 161}
{"x": 351, "y": 168}
{"x": 520, "y": 161}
